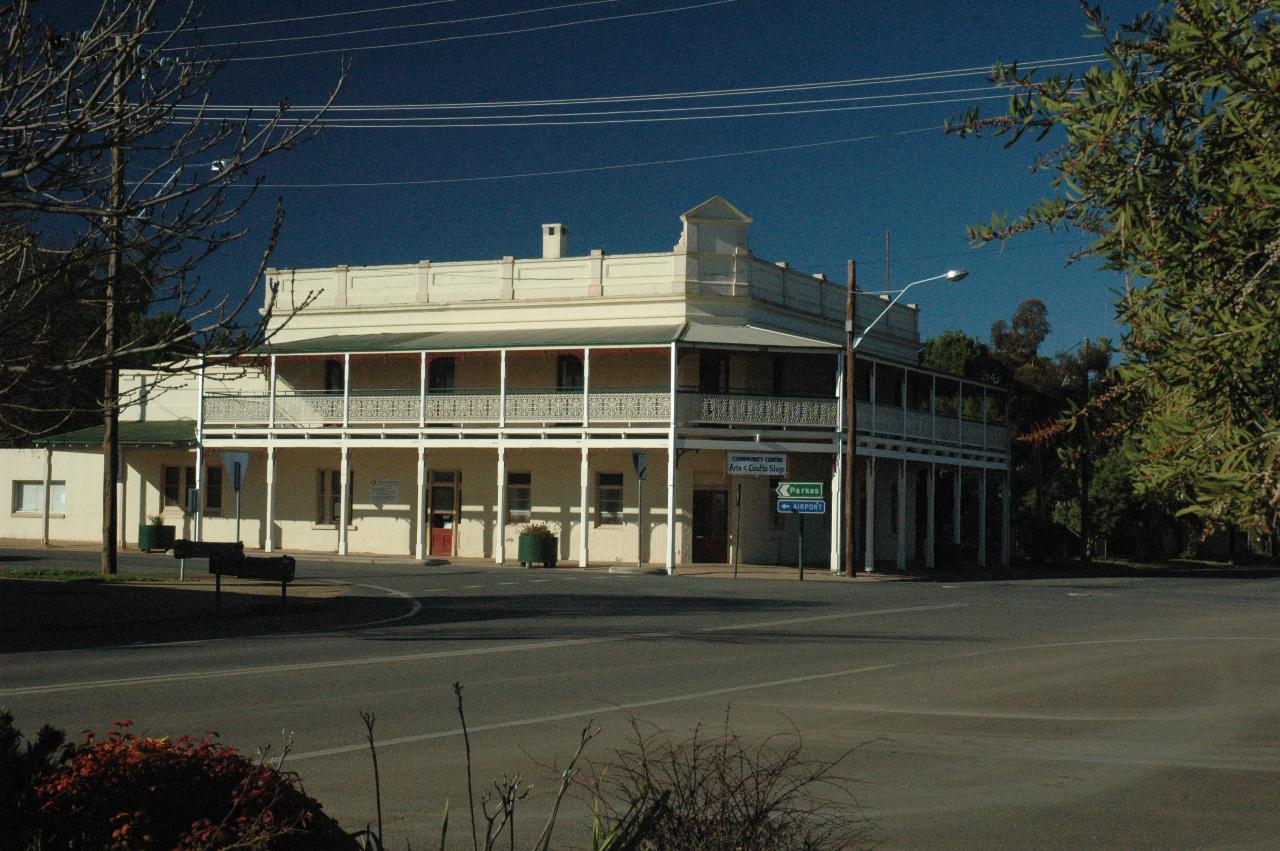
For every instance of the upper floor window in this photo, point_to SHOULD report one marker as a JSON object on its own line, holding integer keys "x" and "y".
{"x": 568, "y": 372}
{"x": 440, "y": 373}
{"x": 333, "y": 375}
{"x": 713, "y": 371}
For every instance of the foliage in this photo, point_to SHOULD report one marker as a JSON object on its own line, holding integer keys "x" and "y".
{"x": 1171, "y": 163}
{"x": 1019, "y": 342}
{"x": 19, "y": 768}
{"x": 134, "y": 792}
{"x": 957, "y": 353}
{"x": 721, "y": 793}
{"x": 537, "y": 530}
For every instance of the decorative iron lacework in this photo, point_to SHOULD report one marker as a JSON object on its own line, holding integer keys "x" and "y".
{"x": 463, "y": 408}
{"x": 399, "y": 408}
{"x": 757, "y": 410}
{"x": 629, "y": 407}
{"x": 544, "y": 407}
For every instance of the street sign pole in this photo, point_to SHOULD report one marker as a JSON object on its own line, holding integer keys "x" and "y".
{"x": 640, "y": 460}
{"x": 800, "y": 547}
{"x": 737, "y": 528}
{"x": 235, "y": 483}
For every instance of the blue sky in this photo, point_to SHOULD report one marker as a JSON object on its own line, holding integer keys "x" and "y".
{"x": 814, "y": 207}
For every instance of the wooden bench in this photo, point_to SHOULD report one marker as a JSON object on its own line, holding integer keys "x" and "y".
{"x": 229, "y": 559}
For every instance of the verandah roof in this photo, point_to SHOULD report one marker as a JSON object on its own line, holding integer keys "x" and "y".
{"x": 132, "y": 434}
{"x": 743, "y": 336}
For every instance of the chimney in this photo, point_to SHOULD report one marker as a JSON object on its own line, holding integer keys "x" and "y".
{"x": 555, "y": 241}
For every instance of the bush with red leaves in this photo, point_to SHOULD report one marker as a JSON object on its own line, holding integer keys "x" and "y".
{"x": 132, "y": 792}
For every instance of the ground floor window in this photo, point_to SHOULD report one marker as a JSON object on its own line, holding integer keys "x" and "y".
{"x": 174, "y": 493}
{"x": 608, "y": 499}
{"x": 28, "y": 497}
{"x": 213, "y": 488}
{"x": 329, "y": 496}
{"x": 519, "y": 497}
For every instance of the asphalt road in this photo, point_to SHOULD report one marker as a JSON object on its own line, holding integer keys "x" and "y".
{"x": 1029, "y": 714}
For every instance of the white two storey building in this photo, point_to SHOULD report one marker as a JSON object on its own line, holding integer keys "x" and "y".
{"x": 433, "y": 409}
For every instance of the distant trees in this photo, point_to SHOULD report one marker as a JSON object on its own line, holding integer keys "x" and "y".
{"x": 115, "y": 185}
{"x": 1167, "y": 157}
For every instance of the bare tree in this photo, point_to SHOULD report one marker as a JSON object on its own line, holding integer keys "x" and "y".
{"x": 115, "y": 185}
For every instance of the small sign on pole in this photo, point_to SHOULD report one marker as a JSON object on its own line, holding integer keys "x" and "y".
{"x": 799, "y": 490}
{"x": 237, "y": 464}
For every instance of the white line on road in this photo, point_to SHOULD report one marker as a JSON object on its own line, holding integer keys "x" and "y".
{"x": 440, "y": 654}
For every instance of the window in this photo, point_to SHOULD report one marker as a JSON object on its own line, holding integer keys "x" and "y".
{"x": 213, "y": 488}
{"x": 568, "y": 372}
{"x": 175, "y": 494}
{"x": 28, "y": 497}
{"x": 333, "y": 376}
{"x": 329, "y": 496}
{"x": 519, "y": 497}
{"x": 609, "y": 499}
{"x": 440, "y": 372}
{"x": 713, "y": 371}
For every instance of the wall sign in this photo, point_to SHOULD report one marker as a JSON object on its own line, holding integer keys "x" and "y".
{"x": 756, "y": 464}
{"x": 384, "y": 491}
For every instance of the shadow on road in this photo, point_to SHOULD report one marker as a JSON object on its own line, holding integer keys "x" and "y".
{"x": 1114, "y": 570}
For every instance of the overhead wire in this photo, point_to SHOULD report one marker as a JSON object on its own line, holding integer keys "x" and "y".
{"x": 415, "y": 25}
{"x": 344, "y": 13}
{"x": 467, "y": 36}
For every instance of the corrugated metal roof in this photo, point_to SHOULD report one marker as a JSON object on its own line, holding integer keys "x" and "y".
{"x": 157, "y": 433}
{"x": 550, "y": 338}
{"x": 519, "y": 338}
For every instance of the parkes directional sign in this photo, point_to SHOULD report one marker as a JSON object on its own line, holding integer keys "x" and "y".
{"x": 802, "y": 506}
{"x": 799, "y": 490}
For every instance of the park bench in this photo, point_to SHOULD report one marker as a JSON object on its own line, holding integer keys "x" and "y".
{"x": 228, "y": 559}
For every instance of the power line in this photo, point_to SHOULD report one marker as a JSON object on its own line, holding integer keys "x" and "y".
{"x": 540, "y": 28}
{"x": 919, "y": 76}
{"x": 348, "y": 124}
{"x": 327, "y": 15}
{"x": 418, "y": 24}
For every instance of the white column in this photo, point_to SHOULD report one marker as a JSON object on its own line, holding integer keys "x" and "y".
{"x": 982, "y": 516}
{"x": 586, "y": 389}
{"x": 199, "y": 530}
{"x": 268, "y": 539}
{"x": 869, "y": 550}
{"x": 48, "y": 483}
{"x": 1005, "y": 496}
{"x": 122, "y": 495}
{"x": 500, "y": 527}
{"x": 502, "y": 391}
{"x": 420, "y": 508}
{"x": 671, "y": 470}
{"x": 422, "y": 391}
{"x": 900, "y": 562}
{"x": 584, "y": 509}
{"x": 931, "y": 532}
{"x": 343, "y": 508}
{"x": 346, "y": 390}
{"x": 271, "y": 397}
{"x": 837, "y": 509}
{"x": 955, "y": 504}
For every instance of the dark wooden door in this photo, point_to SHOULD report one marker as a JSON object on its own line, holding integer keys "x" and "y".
{"x": 444, "y": 505}
{"x": 711, "y": 526}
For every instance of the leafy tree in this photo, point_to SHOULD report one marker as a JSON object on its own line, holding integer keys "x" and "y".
{"x": 957, "y": 353}
{"x": 1019, "y": 342}
{"x": 1169, "y": 160}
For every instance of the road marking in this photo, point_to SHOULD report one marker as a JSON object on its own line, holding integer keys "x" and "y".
{"x": 440, "y": 654}
{"x": 465, "y": 587}
{"x": 508, "y": 583}
{"x": 594, "y": 711}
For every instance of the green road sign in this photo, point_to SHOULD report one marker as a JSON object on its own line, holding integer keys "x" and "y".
{"x": 799, "y": 490}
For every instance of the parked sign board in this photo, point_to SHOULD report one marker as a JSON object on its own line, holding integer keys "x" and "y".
{"x": 802, "y": 506}
{"x": 756, "y": 463}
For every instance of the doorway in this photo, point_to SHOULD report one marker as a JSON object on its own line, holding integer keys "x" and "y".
{"x": 443, "y": 514}
{"x": 710, "y": 526}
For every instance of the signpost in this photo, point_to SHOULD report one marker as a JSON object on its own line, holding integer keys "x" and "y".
{"x": 237, "y": 466}
{"x": 801, "y": 498}
{"x": 641, "y": 462}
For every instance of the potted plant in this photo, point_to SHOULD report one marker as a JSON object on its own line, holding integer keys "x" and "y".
{"x": 155, "y": 535}
{"x": 538, "y": 545}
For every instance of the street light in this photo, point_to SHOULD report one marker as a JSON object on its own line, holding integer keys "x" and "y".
{"x": 851, "y": 408}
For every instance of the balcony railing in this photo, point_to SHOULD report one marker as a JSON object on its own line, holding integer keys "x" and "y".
{"x": 635, "y": 406}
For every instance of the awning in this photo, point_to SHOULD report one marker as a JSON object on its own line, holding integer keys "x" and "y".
{"x": 739, "y": 336}
{"x": 132, "y": 435}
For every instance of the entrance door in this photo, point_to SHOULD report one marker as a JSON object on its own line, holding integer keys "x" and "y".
{"x": 711, "y": 526}
{"x": 444, "y": 511}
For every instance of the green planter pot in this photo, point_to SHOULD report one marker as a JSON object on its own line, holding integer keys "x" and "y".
{"x": 538, "y": 549}
{"x": 155, "y": 538}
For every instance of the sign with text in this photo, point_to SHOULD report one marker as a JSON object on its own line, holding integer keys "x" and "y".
{"x": 384, "y": 491}
{"x": 799, "y": 490}
{"x": 756, "y": 463}
{"x": 802, "y": 506}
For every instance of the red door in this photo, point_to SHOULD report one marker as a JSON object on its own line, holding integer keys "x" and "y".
{"x": 444, "y": 512}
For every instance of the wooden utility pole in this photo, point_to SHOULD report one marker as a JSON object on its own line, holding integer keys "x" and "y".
{"x": 850, "y": 422}
{"x": 111, "y": 376}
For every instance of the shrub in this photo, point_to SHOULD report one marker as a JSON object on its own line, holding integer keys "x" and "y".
{"x": 143, "y": 793}
{"x": 19, "y": 768}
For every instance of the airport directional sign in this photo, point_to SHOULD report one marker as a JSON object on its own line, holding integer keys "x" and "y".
{"x": 802, "y": 506}
{"x": 799, "y": 490}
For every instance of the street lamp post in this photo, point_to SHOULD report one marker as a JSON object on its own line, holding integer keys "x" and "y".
{"x": 851, "y": 446}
